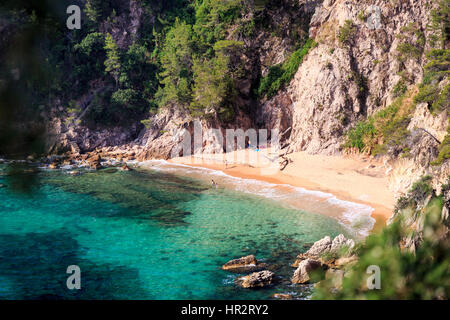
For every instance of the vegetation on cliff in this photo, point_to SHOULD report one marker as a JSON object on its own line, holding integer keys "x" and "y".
{"x": 387, "y": 130}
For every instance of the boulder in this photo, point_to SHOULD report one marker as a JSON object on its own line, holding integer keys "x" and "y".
{"x": 2, "y": 185}
{"x": 244, "y": 264}
{"x": 346, "y": 261}
{"x": 320, "y": 247}
{"x": 257, "y": 279}
{"x": 341, "y": 241}
{"x": 125, "y": 167}
{"x": 282, "y": 296}
{"x": 305, "y": 268}
{"x": 53, "y": 165}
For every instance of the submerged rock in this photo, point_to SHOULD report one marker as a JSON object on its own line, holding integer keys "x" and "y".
{"x": 125, "y": 167}
{"x": 2, "y": 185}
{"x": 305, "y": 268}
{"x": 257, "y": 279}
{"x": 244, "y": 264}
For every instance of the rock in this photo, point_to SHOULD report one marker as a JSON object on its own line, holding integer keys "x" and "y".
{"x": 282, "y": 296}
{"x": 110, "y": 170}
{"x": 346, "y": 261}
{"x": 95, "y": 165}
{"x": 2, "y": 185}
{"x": 341, "y": 241}
{"x": 320, "y": 247}
{"x": 53, "y": 165}
{"x": 244, "y": 264}
{"x": 125, "y": 167}
{"x": 75, "y": 173}
{"x": 257, "y": 279}
{"x": 303, "y": 273}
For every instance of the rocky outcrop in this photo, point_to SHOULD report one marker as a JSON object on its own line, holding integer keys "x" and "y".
{"x": 244, "y": 264}
{"x": 257, "y": 279}
{"x": 337, "y": 84}
{"x": 304, "y": 271}
{"x": 324, "y": 246}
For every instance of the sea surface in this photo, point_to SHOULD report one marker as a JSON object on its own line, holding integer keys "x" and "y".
{"x": 154, "y": 233}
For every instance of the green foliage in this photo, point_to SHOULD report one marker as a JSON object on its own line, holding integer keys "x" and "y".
{"x": 97, "y": 10}
{"x": 400, "y": 88}
{"x": 280, "y": 75}
{"x": 112, "y": 63}
{"x": 385, "y": 129}
{"x": 444, "y": 150}
{"x": 346, "y": 32}
{"x": 212, "y": 85}
{"x": 211, "y": 21}
{"x": 358, "y": 135}
{"x": 176, "y": 61}
{"x": 438, "y": 68}
{"x": 412, "y": 42}
{"x": 424, "y": 274}
{"x": 125, "y": 97}
{"x": 440, "y": 24}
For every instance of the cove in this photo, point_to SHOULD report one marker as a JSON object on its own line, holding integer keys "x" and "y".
{"x": 144, "y": 234}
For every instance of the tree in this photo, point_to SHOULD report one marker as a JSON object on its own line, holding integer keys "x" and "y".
{"x": 176, "y": 61}
{"x": 112, "y": 63}
{"x": 213, "y": 85}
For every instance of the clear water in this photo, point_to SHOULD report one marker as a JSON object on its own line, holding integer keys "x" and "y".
{"x": 142, "y": 235}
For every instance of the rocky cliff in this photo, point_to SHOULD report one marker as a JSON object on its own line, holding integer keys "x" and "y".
{"x": 355, "y": 70}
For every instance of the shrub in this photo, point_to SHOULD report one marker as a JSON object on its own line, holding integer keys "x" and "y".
{"x": 423, "y": 274}
{"x": 347, "y": 32}
{"x": 281, "y": 74}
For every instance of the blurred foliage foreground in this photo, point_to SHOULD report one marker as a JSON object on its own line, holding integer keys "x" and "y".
{"x": 412, "y": 252}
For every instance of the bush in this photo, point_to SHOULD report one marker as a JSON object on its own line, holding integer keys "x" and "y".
{"x": 281, "y": 74}
{"x": 423, "y": 274}
{"x": 346, "y": 32}
{"x": 357, "y": 136}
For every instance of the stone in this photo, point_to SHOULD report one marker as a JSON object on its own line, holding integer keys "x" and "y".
{"x": 320, "y": 247}
{"x": 53, "y": 165}
{"x": 282, "y": 296}
{"x": 125, "y": 167}
{"x": 303, "y": 273}
{"x": 244, "y": 264}
{"x": 346, "y": 261}
{"x": 2, "y": 185}
{"x": 257, "y": 279}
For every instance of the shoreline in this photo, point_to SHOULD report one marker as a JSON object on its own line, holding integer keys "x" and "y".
{"x": 345, "y": 172}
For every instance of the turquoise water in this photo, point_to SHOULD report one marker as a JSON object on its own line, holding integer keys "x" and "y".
{"x": 141, "y": 235}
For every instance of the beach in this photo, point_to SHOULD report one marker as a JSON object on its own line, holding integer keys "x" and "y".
{"x": 353, "y": 178}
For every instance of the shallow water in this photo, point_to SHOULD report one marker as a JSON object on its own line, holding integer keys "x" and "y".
{"x": 142, "y": 235}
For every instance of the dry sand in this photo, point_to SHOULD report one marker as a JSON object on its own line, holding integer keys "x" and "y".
{"x": 353, "y": 178}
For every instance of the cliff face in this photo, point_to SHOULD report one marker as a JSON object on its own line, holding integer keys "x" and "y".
{"x": 340, "y": 83}
{"x": 352, "y": 73}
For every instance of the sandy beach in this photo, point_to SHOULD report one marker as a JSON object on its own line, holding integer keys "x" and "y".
{"x": 352, "y": 178}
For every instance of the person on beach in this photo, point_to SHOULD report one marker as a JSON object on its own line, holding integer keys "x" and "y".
{"x": 214, "y": 184}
